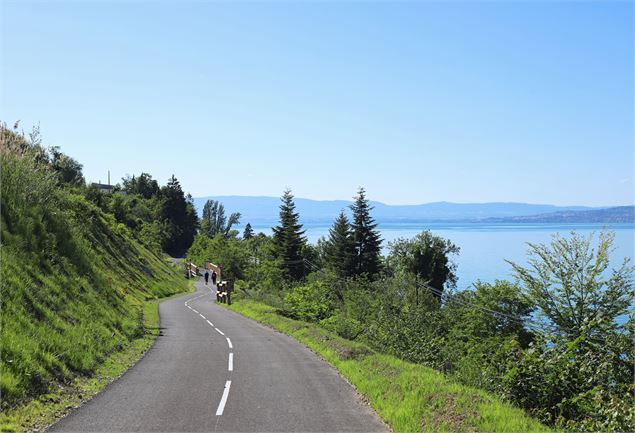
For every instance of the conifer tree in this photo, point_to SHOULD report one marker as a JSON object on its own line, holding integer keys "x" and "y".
{"x": 340, "y": 249}
{"x": 177, "y": 211}
{"x": 248, "y": 233}
{"x": 289, "y": 238}
{"x": 366, "y": 238}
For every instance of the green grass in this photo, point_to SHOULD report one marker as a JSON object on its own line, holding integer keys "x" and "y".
{"x": 38, "y": 413}
{"x": 409, "y": 397}
{"x": 73, "y": 293}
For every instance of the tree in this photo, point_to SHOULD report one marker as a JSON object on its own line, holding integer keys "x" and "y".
{"x": 289, "y": 238}
{"x": 215, "y": 222}
{"x": 68, "y": 170}
{"x": 143, "y": 185}
{"x": 426, "y": 256}
{"x": 181, "y": 217}
{"x": 229, "y": 254}
{"x": 366, "y": 238}
{"x": 570, "y": 284}
{"x": 340, "y": 249}
{"x": 248, "y": 233}
{"x": 490, "y": 310}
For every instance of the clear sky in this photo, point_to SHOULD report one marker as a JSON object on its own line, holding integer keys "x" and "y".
{"x": 417, "y": 101}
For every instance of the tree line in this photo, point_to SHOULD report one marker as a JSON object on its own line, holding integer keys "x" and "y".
{"x": 556, "y": 341}
{"x": 163, "y": 217}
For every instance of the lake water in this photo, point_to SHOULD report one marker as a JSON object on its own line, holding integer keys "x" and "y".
{"x": 484, "y": 247}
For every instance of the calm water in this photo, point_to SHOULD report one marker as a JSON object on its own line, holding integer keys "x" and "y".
{"x": 484, "y": 247}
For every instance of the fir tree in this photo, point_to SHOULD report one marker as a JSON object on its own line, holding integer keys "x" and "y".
{"x": 340, "y": 249}
{"x": 366, "y": 239}
{"x": 289, "y": 238}
{"x": 248, "y": 233}
{"x": 178, "y": 213}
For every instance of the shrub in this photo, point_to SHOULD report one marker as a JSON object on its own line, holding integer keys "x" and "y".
{"x": 311, "y": 302}
{"x": 343, "y": 326}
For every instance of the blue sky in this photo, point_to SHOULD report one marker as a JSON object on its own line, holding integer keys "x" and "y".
{"x": 417, "y": 101}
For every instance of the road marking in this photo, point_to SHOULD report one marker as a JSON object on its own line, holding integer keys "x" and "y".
{"x": 210, "y": 323}
{"x": 223, "y": 400}
{"x": 229, "y": 343}
{"x": 194, "y": 310}
{"x": 219, "y": 331}
{"x": 204, "y": 318}
{"x": 230, "y": 365}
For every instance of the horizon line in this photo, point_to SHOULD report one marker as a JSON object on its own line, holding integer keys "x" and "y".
{"x": 422, "y": 204}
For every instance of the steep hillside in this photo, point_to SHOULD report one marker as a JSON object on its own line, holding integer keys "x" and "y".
{"x": 73, "y": 279}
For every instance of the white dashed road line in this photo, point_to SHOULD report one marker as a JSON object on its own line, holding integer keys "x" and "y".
{"x": 223, "y": 400}
{"x": 230, "y": 360}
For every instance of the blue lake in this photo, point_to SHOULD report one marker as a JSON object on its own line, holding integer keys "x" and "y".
{"x": 484, "y": 247}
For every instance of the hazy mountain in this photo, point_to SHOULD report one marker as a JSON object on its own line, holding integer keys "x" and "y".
{"x": 620, "y": 214}
{"x": 265, "y": 209}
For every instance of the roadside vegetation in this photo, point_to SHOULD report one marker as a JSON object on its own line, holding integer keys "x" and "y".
{"x": 409, "y": 397}
{"x": 75, "y": 273}
{"x": 556, "y": 342}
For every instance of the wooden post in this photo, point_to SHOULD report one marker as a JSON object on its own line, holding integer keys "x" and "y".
{"x": 228, "y": 289}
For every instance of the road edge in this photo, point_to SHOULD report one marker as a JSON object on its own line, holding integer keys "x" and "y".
{"x": 40, "y": 413}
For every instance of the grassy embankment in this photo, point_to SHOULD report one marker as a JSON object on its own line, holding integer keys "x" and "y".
{"x": 78, "y": 291}
{"x": 409, "y": 397}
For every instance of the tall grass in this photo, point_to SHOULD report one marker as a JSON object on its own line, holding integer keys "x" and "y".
{"x": 73, "y": 280}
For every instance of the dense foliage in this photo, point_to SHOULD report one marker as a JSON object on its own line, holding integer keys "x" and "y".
{"x": 163, "y": 217}
{"x": 558, "y": 342}
{"x": 73, "y": 278}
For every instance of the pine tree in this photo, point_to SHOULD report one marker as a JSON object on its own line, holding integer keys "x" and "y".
{"x": 178, "y": 213}
{"x": 248, "y": 233}
{"x": 289, "y": 238}
{"x": 366, "y": 238}
{"x": 340, "y": 249}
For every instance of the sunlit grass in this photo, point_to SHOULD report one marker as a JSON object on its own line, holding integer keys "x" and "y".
{"x": 42, "y": 411}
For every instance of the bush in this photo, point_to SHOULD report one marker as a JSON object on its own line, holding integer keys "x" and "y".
{"x": 572, "y": 384}
{"x": 343, "y": 326}
{"x": 311, "y": 302}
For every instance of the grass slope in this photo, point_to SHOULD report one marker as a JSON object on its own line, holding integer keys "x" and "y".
{"x": 409, "y": 397}
{"x": 44, "y": 410}
{"x": 74, "y": 284}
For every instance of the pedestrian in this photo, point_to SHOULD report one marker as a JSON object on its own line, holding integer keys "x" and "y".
{"x": 214, "y": 277}
{"x": 206, "y": 277}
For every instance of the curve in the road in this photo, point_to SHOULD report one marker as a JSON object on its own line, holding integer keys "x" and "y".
{"x": 212, "y": 369}
{"x": 230, "y": 358}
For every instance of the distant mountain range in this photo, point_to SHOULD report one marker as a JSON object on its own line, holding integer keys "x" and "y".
{"x": 620, "y": 214}
{"x": 264, "y": 210}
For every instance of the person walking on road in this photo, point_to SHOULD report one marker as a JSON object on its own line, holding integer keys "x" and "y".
{"x": 206, "y": 277}
{"x": 214, "y": 277}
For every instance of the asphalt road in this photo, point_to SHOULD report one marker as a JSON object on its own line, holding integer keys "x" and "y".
{"x": 214, "y": 370}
